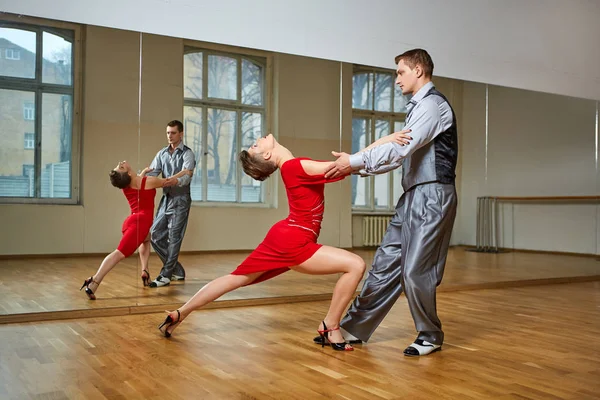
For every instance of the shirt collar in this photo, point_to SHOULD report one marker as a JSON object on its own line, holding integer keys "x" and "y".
{"x": 180, "y": 147}
{"x": 422, "y": 92}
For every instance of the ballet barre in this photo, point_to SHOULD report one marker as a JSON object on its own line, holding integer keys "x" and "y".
{"x": 488, "y": 229}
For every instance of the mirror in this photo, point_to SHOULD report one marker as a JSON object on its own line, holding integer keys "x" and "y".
{"x": 75, "y": 100}
{"x": 530, "y": 171}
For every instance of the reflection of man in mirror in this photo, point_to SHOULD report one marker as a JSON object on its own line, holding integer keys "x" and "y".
{"x": 174, "y": 208}
{"x": 412, "y": 254}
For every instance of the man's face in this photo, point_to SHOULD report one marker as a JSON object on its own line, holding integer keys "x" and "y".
{"x": 406, "y": 78}
{"x": 173, "y": 135}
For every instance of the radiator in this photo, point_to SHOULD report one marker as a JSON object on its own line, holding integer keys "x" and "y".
{"x": 374, "y": 227}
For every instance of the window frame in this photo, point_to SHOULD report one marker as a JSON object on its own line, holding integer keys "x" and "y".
{"x": 372, "y": 116}
{"x": 264, "y": 59}
{"x": 37, "y": 86}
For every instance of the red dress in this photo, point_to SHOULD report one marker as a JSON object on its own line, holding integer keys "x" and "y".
{"x": 137, "y": 226}
{"x": 293, "y": 240}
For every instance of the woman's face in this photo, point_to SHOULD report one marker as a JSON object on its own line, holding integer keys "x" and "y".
{"x": 122, "y": 166}
{"x": 262, "y": 145}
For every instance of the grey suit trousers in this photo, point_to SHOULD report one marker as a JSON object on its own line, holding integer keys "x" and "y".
{"x": 411, "y": 258}
{"x": 168, "y": 230}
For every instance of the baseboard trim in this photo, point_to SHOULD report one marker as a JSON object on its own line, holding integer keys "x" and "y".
{"x": 75, "y": 255}
{"x": 155, "y": 308}
{"x": 240, "y": 251}
{"x": 159, "y": 308}
{"x": 511, "y": 250}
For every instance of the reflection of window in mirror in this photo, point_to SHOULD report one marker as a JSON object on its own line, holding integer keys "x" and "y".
{"x": 12, "y": 54}
{"x": 225, "y": 111}
{"x": 27, "y": 169}
{"x": 28, "y": 111}
{"x": 378, "y": 109}
{"x": 29, "y": 141}
{"x": 34, "y": 57}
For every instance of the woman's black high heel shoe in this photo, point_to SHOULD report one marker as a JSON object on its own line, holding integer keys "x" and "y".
{"x": 145, "y": 277}
{"x": 88, "y": 291}
{"x": 170, "y": 323}
{"x": 344, "y": 346}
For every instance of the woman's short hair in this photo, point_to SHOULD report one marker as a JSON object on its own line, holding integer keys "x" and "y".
{"x": 257, "y": 167}
{"x": 119, "y": 179}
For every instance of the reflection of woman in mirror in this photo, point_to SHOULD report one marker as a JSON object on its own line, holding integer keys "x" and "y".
{"x": 290, "y": 243}
{"x": 140, "y": 191}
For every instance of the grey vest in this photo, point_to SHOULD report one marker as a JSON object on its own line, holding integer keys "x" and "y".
{"x": 177, "y": 164}
{"x": 436, "y": 161}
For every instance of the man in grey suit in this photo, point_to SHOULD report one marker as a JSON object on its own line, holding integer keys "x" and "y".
{"x": 174, "y": 208}
{"x": 412, "y": 254}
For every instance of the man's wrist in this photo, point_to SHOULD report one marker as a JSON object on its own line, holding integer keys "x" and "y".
{"x": 356, "y": 161}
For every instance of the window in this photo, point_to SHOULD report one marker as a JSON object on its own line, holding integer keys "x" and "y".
{"x": 37, "y": 96}
{"x": 29, "y": 141}
{"x": 28, "y": 111}
{"x": 12, "y": 54}
{"x": 224, "y": 112}
{"x": 378, "y": 109}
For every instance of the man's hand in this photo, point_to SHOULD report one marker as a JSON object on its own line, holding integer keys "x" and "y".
{"x": 341, "y": 167}
{"x": 170, "y": 182}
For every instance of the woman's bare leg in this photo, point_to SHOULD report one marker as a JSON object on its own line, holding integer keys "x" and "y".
{"x": 331, "y": 260}
{"x": 144, "y": 251}
{"x": 108, "y": 263}
{"x": 210, "y": 292}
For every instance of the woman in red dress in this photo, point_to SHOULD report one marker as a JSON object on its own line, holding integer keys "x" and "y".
{"x": 290, "y": 243}
{"x": 140, "y": 192}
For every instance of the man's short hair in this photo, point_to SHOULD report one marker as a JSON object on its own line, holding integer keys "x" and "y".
{"x": 176, "y": 123}
{"x": 417, "y": 56}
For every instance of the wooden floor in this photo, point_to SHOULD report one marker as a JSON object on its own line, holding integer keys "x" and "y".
{"x": 538, "y": 342}
{"x": 52, "y": 284}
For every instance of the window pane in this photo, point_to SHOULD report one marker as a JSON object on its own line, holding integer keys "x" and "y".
{"x": 383, "y": 92}
{"x": 360, "y": 138}
{"x": 192, "y": 75}
{"x": 400, "y": 101}
{"x": 222, "y": 155}
{"x": 252, "y": 83}
{"x": 399, "y": 125}
{"x": 397, "y": 175}
{"x": 362, "y": 91}
{"x": 29, "y": 142}
{"x": 382, "y": 182}
{"x": 252, "y": 190}
{"x": 57, "y": 59}
{"x": 56, "y": 145}
{"x": 192, "y": 137}
{"x": 222, "y": 77}
{"x": 17, "y": 48}
{"x": 15, "y": 177}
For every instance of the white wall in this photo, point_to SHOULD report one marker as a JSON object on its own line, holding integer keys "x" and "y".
{"x": 543, "y": 45}
{"x": 537, "y": 145}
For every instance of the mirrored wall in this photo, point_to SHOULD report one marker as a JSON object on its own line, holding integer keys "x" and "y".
{"x": 76, "y": 100}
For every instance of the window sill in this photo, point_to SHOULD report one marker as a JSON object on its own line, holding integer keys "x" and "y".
{"x": 209, "y": 204}
{"x": 368, "y": 212}
{"x": 15, "y": 201}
